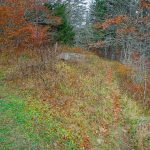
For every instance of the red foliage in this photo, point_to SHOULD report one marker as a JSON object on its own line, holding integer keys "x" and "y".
{"x": 85, "y": 143}
{"x": 109, "y": 77}
{"x": 135, "y": 56}
{"x": 126, "y": 30}
{"x": 116, "y": 107}
{"x": 112, "y": 21}
{"x": 16, "y": 29}
{"x": 145, "y": 4}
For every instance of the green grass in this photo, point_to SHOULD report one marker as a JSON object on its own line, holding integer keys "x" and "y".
{"x": 24, "y": 125}
{"x": 78, "y": 112}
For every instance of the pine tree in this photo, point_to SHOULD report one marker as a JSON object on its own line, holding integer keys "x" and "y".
{"x": 64, "y": 31}
{"x": 98, "y": 11}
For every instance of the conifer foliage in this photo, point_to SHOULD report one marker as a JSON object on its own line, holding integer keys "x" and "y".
{"x": 64, "y": 33}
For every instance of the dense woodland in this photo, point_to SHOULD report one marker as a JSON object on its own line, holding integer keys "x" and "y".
{"x": 75, "y": 74}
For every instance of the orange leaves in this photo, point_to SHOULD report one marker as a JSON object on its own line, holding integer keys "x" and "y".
{"x": 85, "y": 143}
{"x": 97, "y": 44}
{"x": 145, "y": 4}
{"x": 112, "y": 21}
{"x": 97, "y": 25}
{"x": 30, "y": 33}
{"x": 57, "y": 20}
{"x": 144, "y": 19}
{"x": 104, "y": 129}
{"x": 6, "y": 13}
{"x": 125, "y": 73}
{"x": 123, "y": 70}
{"x": 135, "y": 56}
{"x": 134, "y": 88}
{"x": 16, "y": 29}
{"x": 116, "y": 106}
{"x": 38, "y": 34}
{"x": 12, "y": 18}
{"x": 126, "y": 30}
{"x": 18, "y": 32}
{"x": 116, "y": 20}
{"x": 109, "y": 76}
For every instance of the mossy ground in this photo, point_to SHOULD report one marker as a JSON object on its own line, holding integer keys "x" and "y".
{"x": 72, "y": 106}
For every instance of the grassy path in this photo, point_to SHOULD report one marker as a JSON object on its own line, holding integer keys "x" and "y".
{"x": 84, "y": 108}
{"x": 24, "y": 125}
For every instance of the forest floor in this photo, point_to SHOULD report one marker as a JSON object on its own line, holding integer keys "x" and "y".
{"x": 70, "y": 106}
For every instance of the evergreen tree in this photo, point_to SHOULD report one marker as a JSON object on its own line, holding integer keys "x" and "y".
{"x": 98, "y": 11}
{"x": 64, "y": 32}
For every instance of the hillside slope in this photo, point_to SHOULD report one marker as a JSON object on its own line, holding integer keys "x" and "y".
{"x": 70, "y": 106}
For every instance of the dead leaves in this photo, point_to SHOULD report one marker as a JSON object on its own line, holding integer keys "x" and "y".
{"x": 112, "y": 21}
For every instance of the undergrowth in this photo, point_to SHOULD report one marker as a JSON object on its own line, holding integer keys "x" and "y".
{"x": 72, "y": 106}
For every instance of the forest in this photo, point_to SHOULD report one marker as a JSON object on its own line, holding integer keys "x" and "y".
{"x": 75, "y": 74}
